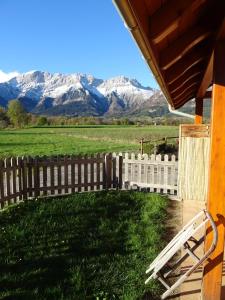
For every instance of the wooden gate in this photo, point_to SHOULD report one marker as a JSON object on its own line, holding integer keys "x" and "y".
{"x": 158, "y": 173}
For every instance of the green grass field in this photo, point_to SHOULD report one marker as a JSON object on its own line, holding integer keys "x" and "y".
{"x": 83, "y": 246}
{"x": 82, "y": 139}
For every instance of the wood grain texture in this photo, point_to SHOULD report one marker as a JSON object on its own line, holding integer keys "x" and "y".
{"x": 216, "y": 194}
{"x": 193, "y": 160}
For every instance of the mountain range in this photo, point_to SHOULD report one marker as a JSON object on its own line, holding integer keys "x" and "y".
{"x": 81, "y": 95}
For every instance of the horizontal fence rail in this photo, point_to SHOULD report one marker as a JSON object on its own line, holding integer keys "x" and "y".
{"x": 22, "y": 178}
{"x": 29, "y": 177}
{"x": 158, "y": 173}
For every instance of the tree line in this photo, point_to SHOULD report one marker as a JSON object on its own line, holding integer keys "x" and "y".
{"x": 16, "y": 116}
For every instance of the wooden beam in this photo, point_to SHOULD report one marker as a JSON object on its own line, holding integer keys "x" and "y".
{"x": 192, "y": 72}
{"x": 199, "y": 111}
{"x": 166, "y": 19}
{"x": 207, "y": 78}
{"x": 216, "y": 192}
{"x": 193, "y": 58}
{"x": 183, "y": 87}
{"x": 182, "y": 45}
{"x": 182, "y": 100}
{"x": 186, "y": 91}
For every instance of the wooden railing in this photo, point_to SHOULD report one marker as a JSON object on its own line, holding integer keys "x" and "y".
{"x": 26, "y": 177}
{"x": 158, "y": 173}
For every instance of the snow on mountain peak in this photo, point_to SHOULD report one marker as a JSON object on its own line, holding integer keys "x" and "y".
{"x": 4, "y": 77}
{"x": 46, "y": 90}
{"x": 123, "y": 85}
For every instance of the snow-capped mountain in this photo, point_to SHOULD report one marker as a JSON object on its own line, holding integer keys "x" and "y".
{"x": 78, "y": 94}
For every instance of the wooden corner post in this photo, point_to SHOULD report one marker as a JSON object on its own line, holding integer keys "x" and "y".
{"x": 212, "y": 279}
{"x": 199, "y": 111}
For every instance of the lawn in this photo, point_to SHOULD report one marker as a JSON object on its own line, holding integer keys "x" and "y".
{"x": 80, "y": 139}
{"x": 84, "y": 246}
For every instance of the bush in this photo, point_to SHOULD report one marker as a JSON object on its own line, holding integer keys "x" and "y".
{"x": 4, "y": 120}
{"x": 42, "y": 121}
{"x": 16, "y": 113}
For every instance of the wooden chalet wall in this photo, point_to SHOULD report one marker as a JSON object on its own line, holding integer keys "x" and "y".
{"x": 194, "y": 143}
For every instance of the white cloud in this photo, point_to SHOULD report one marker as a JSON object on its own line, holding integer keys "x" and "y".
{"x": 7, "y": 76}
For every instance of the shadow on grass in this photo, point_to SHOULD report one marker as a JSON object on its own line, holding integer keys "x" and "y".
{"x": 22, "y": 132}
{"x": 21, "y": 144}
{"x": 82, "y": 247}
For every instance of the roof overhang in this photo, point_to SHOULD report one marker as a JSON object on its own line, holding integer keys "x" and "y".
{"x": 177, "y": 39}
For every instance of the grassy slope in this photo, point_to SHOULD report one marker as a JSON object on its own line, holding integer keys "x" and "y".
{"x": 84, "y": 246}
{"x": 74, "y": 140}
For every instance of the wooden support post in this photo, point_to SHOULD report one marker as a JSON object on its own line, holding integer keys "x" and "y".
{"x": 216, "y": 194}
{"x": 199, "y": 111}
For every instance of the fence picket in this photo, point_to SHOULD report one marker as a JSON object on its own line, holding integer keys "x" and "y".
{"x": 19, "y": 174}
{"x": 2, "y": 185}
{"x": 151, "y": 172}
{"x": 79, "y": 173}
{"x": 85, "y": 169}
{"x": 36, "y": 171}
{"x": 8, "y": 175}
{"x": 44, "y": 175}
{"x": 66, "y": 174}
{"x": 52, "y": 175}
{"x": 92, "y": 174}
{"x": 59, "y": 183}
{"x": 108, "y": 170}
{"x": 98, "y": 171}
{"x": 23, "y": 177}
{"x": 14, "y": 167}
{"x": 72, "y": 174}
{"x": 114, "y": 179}
{"x": 30, "y": 176}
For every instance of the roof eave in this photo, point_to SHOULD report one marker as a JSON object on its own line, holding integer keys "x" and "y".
{"x": 142, "y": 42}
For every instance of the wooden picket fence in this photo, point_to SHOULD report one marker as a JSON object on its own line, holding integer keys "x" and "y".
{"x": 22, "y": 178}
{"x": 156, "y": 173}
{"x": 29, "y": 177}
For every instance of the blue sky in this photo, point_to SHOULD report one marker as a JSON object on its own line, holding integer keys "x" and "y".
{"x": 68, "y": 36}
